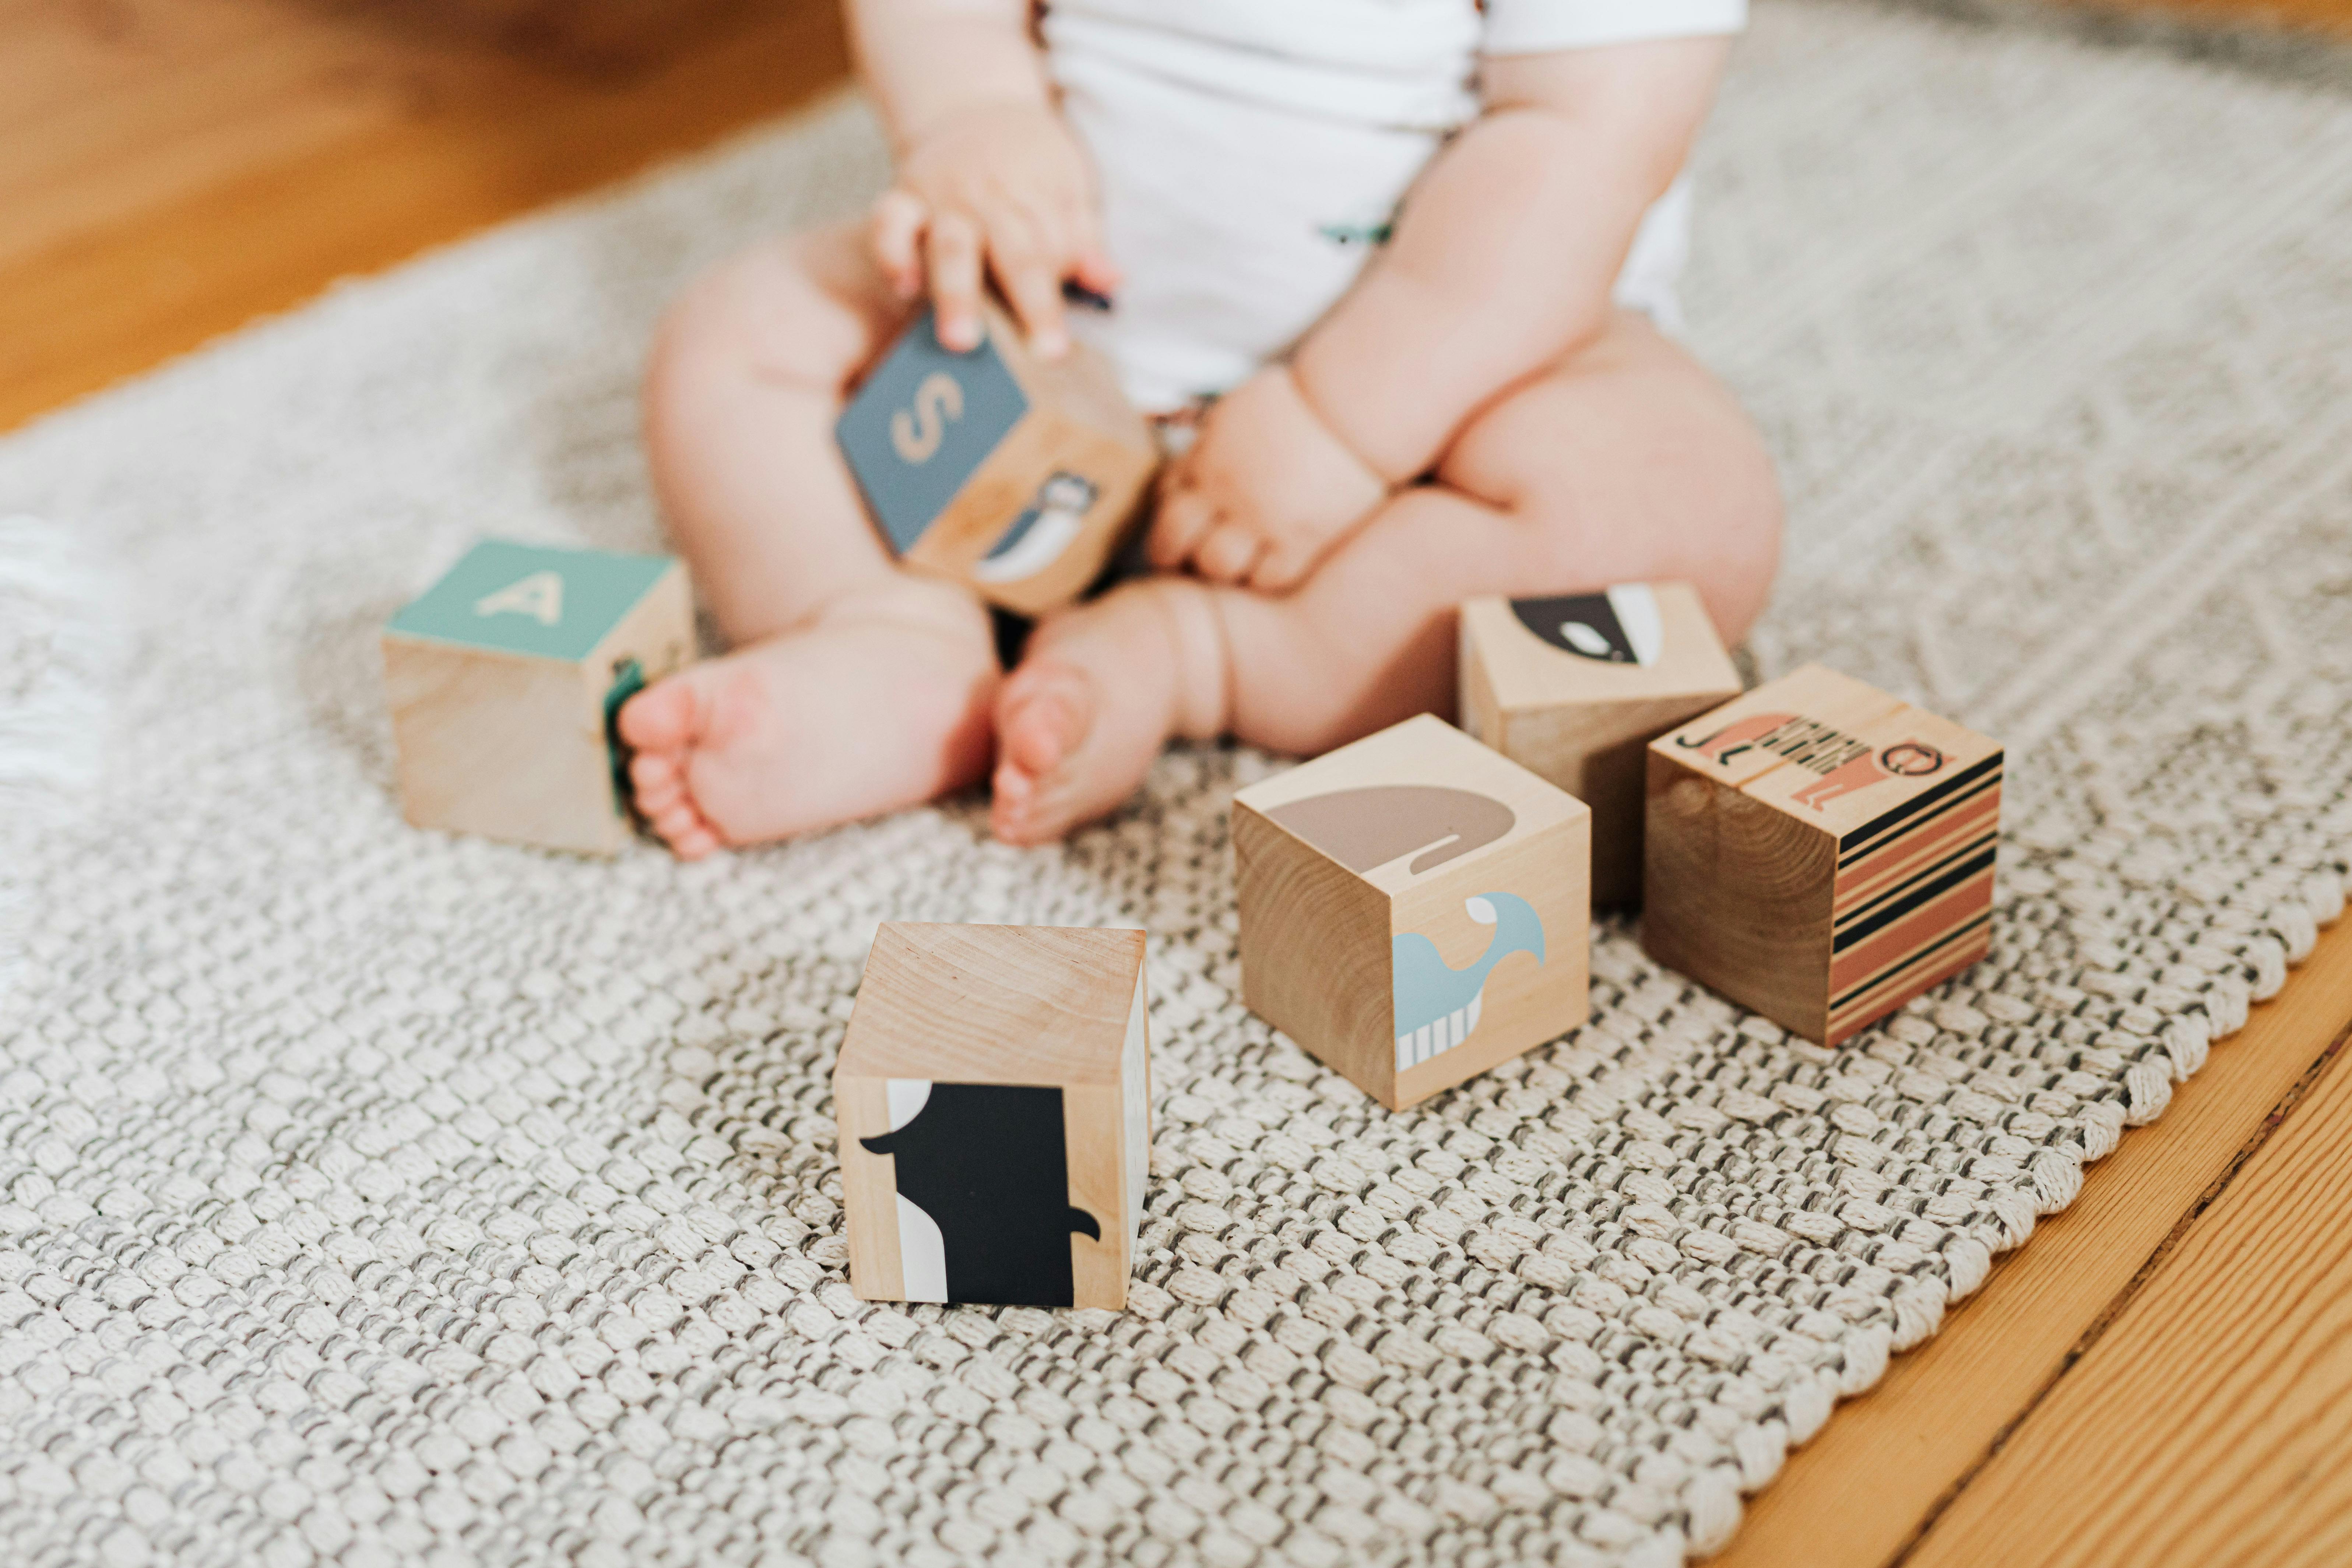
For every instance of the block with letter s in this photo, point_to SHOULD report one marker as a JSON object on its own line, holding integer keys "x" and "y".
{"x": 1015, "y": 475}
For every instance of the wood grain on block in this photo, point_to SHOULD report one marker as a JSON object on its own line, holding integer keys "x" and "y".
{"x": 1575, "y": 687}
{"x": 500, "y": 676}
{"x": 1821, "y": 851}
{"x": 1015, "y": 475}
{"x": 993, "y": 1098}
{"x": 1413, "y": 908}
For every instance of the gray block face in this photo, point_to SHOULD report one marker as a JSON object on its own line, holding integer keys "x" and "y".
{"x": 922, "y": 424}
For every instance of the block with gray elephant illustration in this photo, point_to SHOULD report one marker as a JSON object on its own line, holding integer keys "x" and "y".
{"x": 1576, "y": 686}
{"x": 1415, "y": 908}
{"x": 993, "y": 1098}
{"x": 1821, "y": 850}
{"x": 1014, "y": 474}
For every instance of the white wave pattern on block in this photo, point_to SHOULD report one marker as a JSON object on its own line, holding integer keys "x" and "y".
{"x": 922, "y": 1254}
{"x": 1442, "y": 1035}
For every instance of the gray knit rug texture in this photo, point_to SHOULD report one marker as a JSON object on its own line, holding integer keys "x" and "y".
{"x": 372, "y": 1196}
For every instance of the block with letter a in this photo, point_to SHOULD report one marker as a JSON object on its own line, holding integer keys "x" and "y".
{"x": 1016, "y": 475}
{"x": 503, "y": 678}
{"x": 994, "y": 1097}
{"x": 1821, "y": 851}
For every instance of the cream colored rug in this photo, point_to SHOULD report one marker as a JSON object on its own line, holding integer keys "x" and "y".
{"x": 368, "y": 1197}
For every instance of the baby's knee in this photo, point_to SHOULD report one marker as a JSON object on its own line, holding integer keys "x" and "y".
{"x": 793, "y": 311}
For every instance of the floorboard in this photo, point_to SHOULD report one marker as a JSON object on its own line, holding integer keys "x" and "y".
{"x": 171, "y": 169}
{"x": 2209, "y": 1423}
{"x": 1878, "y": 1474}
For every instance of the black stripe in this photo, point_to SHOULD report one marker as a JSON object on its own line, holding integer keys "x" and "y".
{"x": 1872, "y": 982}
{"x": 1927, "y": 894}
{"x": 1848, "y": 860}
{"x": 1870, "y": 905}
{"x": 1886, "y": 821}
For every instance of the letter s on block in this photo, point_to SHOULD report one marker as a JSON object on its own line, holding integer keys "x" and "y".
{"x": 916, "y": 433}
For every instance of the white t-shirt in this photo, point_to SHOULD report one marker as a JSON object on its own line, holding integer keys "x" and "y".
{"x": 1252, "y": 153}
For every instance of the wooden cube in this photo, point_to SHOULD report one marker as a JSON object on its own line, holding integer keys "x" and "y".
{"x": 1821, "y": 851}
{"x": 1413, "y": 908}
{"x": 1576, "y": 688}
{"x": 1015, "y": 475}
{"x": 503, "y": 680}
{"x": 994, "y": 1099}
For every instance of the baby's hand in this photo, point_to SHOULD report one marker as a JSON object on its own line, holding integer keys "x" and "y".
{"x": 1266, "y": 491}
{"x": 1001, "y": 189}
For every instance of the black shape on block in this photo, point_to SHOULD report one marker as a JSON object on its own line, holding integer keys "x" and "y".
{"x": 987, "y": 1162}
{"x": 1598, "y": 634}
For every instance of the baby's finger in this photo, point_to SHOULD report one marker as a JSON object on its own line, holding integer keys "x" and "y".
{"x": 1282, "y": 568}
{"x": 1229, "y": 552}
{"x": 953, "y": 248}
{"x": 1089, "y": 263}
{"x": 1030, "y": 282}
{"x": 896, "y": 232}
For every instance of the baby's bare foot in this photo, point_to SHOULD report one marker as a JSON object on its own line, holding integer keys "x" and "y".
{"x": 1104, "y": 687}
{"x": 883, "y": 703}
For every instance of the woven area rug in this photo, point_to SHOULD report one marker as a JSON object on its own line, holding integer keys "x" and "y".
{"x": 372, "y": 1196}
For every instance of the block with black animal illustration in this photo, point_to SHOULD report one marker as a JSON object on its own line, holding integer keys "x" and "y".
{"x": 1821, "y": 851}
{"x": 1015, "y": 474}
{"x": 1577, "y": 686}
{"x": 1413, "y": 908}
{"x": 503, "y": 680}
{"x": 993, "y": 1099}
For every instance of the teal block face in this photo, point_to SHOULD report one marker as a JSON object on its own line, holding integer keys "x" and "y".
{"x": 531, "y": 599}
{"x": 922, "y": 425}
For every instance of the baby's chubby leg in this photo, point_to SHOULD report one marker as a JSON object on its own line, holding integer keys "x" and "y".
{"x": 1627, "y": 462}
{"x": 854, "y": 687}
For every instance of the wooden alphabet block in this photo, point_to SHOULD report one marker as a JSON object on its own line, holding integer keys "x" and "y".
{"x": 1016, "y": 475}
{"x": 503, "y": 680}
{"x": 1413, "y": 908}
{"x": 993, "y": 1094}
{"x": 1821, "y": 851}
{"x": 1576, "y": 686}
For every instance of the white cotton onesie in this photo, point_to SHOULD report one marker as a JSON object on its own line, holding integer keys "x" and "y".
{"x": 1252, "y": 153}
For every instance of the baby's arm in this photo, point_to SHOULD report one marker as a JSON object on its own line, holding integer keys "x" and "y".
{"x": 988, "y": 181}
{"x": 1502, "y": 264}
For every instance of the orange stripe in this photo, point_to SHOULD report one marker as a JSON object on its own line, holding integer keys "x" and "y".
{"x": 1864, "y": 876}
{"x": 1875, "y": 1004}
{"x": 1912, "y": 932}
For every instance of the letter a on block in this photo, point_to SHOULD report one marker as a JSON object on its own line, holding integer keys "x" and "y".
{"x": 538, "y": 596}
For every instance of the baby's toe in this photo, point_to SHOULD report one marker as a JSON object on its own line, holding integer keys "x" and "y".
{"x": 661, "y": 718}
{"x": 1042, "y": 717}
{"x": 656, "y": 781}
{"x": 683, "y": 829}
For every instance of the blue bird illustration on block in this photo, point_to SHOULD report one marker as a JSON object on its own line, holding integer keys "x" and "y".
{"x": 1437, "y": 1007}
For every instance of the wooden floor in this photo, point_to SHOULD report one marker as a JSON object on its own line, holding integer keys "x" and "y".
{"x": 2163, "y": 1375}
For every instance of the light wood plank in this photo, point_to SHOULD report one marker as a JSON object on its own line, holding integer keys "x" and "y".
{"x": 304, "y": 151}
{"x": 2211, "y": 1423}
{"x": 1875, "y": 1477}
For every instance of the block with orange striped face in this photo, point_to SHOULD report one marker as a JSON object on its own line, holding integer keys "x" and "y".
{"x": 1820, "y": 851}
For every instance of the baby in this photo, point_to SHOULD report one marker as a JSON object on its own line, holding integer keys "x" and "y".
{"x": 1418, "y": 252}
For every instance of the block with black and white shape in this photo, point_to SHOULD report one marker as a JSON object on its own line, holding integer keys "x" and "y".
{"x": 1577, "y": 686}
{"x": 1016, "y": 475}
{"x": 993, "y": 1098}
{"x": 1413, "y": 908}
{"x": 1821, "y": 851}
{"x": 504, "y": 678}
